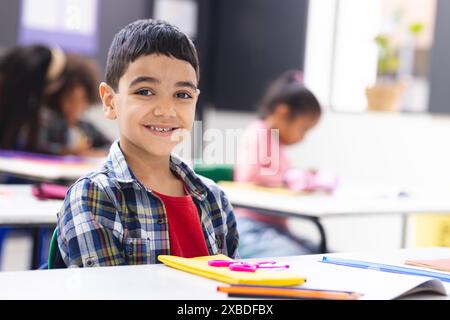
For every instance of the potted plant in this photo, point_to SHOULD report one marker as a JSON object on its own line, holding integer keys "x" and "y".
{"x": 386, "y": 94}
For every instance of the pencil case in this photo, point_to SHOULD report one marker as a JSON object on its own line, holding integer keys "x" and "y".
{"x": 49, "y": 191}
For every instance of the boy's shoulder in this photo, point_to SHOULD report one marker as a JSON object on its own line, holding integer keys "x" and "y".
{"x": 98, "y": 179}
{"x": 106, "y": 177}
{"x": 209, "y": 184}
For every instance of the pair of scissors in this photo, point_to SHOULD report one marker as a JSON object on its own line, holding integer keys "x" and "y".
{"x": 245, "y": 266}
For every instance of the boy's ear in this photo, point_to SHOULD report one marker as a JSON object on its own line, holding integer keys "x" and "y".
{"x": 107, "y": 96}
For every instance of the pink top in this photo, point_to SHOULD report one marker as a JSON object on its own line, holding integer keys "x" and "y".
{"x": 261, "y": 160}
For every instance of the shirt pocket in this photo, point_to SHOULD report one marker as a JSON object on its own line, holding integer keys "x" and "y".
{"x": 138, "y": 251}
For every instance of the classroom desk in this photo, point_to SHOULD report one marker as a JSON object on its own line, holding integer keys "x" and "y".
{"x": 20, "y": 209}
{"x": 346, "y": 203}
{"x": 159, "y": 282}
{"x": 48, "y": 170}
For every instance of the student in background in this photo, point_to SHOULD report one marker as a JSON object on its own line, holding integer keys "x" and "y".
{"x": 27, "y": 75}
{"x": 293, "y": 110}
{"x": 146, "y": 201}
{"x": 64, "y": 132}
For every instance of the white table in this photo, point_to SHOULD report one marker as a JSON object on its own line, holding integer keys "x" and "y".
{"x": 161, "y": 282}
{"x": 39, "y": 170}
{"x": 344, "y": 202}
{"x": 20, "y": 209}
{"x": 18, "y": 206}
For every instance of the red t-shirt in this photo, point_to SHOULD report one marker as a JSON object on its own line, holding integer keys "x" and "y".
{"x": 185, "y": 230}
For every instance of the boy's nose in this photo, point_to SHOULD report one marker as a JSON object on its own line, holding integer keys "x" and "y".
{"x": 164, "y": 109}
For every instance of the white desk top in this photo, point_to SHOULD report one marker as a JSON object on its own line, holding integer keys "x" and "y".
{"x": 48, "y": 171}
{"x": 19, "y": 206}
{"x": 161, "y": 282}
{"x": 345, "y": 203}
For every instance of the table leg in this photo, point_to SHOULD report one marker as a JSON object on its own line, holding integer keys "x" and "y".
{"x": 35, "y": 251}
{"x": 323, "y": 239}
{"x": 323, "y": 248}
{"x": 404, "y": 230}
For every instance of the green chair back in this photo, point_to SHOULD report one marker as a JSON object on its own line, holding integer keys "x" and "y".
{"x": 52, "y": 249}
{"x": 216, "y": 172}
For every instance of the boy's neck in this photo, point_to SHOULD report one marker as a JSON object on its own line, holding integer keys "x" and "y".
{"x": 152, "y": 171}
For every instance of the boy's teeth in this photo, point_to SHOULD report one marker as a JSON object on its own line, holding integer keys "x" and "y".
{"x": 160, "y": 129}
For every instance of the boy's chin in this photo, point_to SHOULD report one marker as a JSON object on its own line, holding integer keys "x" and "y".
{"x": 158, "y": 152}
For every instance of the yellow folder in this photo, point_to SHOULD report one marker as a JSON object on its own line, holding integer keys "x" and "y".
{"x": 199, "y": 266}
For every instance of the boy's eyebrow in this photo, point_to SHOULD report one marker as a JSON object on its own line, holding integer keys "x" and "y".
{"x": 144, "y": 79}
{"x": 154, "y": 80}
{"x": 186, "y": 84}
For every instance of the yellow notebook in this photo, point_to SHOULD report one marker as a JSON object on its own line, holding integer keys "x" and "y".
{"x": 199, "y": 266}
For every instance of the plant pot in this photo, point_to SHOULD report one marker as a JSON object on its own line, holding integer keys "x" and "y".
{"x": 385, "y": 97}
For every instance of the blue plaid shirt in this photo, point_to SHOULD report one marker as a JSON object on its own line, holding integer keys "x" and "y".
{"x": 109, "y": 218}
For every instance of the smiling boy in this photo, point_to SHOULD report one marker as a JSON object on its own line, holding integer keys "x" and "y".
{"x": 145, "y": 201}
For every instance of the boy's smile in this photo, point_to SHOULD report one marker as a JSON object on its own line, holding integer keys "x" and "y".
{"x": 155, "y": 103}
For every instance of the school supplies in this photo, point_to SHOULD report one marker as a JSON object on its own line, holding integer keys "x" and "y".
{"x": 308, "y": 181}
{"x": 387, "y": 268}
{"x": 45, "y": 191}
{"x": 199, "y": 266}
{"x": 246, "y": 266}
{"x": 252, "y": 291}
{"x": 436, "y": 264}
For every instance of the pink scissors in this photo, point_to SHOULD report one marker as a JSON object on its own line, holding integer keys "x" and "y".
{"x": 245, "y": 266}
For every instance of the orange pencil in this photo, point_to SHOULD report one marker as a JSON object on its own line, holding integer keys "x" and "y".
{"x": 284, "y": 292}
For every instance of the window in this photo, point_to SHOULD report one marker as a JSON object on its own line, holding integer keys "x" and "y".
{"x": 347, "y": 68}
{"x": 70, "y": 24}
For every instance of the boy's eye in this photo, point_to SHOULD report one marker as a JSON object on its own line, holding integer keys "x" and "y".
{"x": 144, "y": 92}
{"x": 183, "y": 95}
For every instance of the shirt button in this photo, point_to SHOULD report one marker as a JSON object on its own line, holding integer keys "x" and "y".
{"x": 89, "y": 262}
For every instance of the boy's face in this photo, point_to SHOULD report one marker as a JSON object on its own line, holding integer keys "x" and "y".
{"x": 154, "y": 104}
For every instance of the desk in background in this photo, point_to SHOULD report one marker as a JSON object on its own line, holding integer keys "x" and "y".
{"x": 316, "y": 207}
{"x": 20, "y": 209}
{"x": 159, "y": 282}
{"x": 38, "y": 167}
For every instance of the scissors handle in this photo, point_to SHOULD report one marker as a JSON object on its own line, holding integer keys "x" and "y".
{"x": 244, "y": 267}
{"x": 220, "y": 263}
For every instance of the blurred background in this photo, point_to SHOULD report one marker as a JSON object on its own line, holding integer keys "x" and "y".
{"x": 378, "y": 67}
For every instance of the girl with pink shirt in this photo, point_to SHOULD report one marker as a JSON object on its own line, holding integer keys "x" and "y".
{"x": 288, "y": 111}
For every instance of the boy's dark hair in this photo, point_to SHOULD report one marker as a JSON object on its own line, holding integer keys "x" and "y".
{"x": 288, "y": 89}
{"x": 78, "y": 71}
{"x": 145, "y": 37}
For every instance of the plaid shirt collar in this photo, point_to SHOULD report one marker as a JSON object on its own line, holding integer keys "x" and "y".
{"x": 119, "y": 171}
